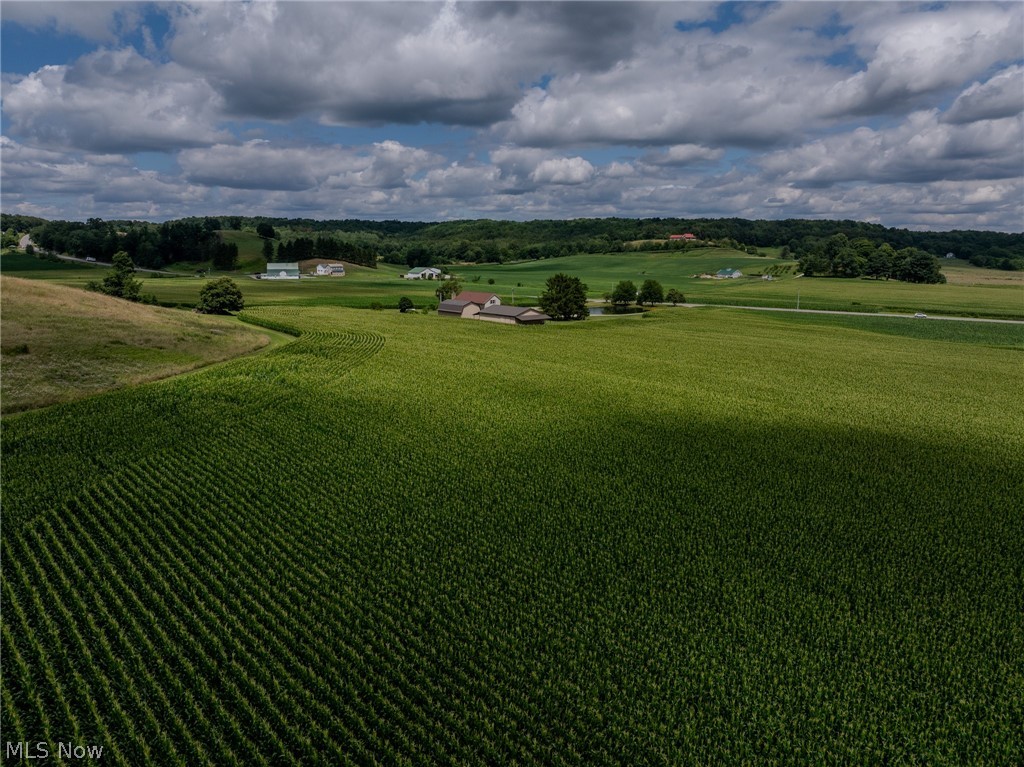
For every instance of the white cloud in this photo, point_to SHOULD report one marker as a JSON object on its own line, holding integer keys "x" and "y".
{"x": 562, "y": 170}
{"x": 113, "y": 101}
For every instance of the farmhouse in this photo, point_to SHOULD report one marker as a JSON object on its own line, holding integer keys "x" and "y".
{"x": 483, "y": 300}
{"x": 424, "y": 273}
{"x": 513, "y": 315}
{"x": 330, "y": 270}
{"x": 728, "y": 274}
{"x": 283, "y": 271}
{"x": 455, "y": 308}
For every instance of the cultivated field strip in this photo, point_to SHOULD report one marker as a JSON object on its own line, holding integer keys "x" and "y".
{"x": 351, "y": 562}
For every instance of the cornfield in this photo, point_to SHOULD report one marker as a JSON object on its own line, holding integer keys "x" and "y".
{"x": 704, "y": 538}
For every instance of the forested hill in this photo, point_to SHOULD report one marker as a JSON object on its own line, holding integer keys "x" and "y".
{"x": 419, "y": 243}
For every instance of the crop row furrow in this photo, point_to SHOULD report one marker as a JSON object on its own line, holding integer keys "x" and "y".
{"x": 175, "y": 624}
{"x": 192, "y": 722}
{"x": 79, "y": 623}
{"x": 167, "y": 574}
{"x": 123, "y": 659}
{"x": 59, "y": 652}
{"x": 16, "y": 685}
{"x": 245, "y": 603}
{"x": 249, "y": 586}
{"x": 240, "y": 533}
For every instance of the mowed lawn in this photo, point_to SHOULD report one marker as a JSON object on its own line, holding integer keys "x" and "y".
{"x": 704, "y": 536}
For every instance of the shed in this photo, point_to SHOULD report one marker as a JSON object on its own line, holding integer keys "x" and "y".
{"x": 283, "y": 271}
{"x": 513, "y": 315}
{"x": 455, "y": 308}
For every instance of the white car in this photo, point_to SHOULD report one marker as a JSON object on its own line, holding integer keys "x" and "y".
{"x": 921, "y": 316}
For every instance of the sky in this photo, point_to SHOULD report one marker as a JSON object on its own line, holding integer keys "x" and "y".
{"x": 904, "y": 114}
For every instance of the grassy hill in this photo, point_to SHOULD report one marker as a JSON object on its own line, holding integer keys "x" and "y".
{"x": 61, "y": 344}
{"x": 698, "y": 537}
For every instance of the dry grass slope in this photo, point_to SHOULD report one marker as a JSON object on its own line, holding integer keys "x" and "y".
{"x": 59, "y": 344}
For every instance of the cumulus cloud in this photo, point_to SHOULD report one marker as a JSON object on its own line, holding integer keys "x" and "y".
{"x": 94, "y": 20}
{"x": 260, "y": 164}
{"x": 1000, "y": 96}
{"x": 912, "y": 54}
{"x": 922, "y": 148}
{"x": 562, "y": 170}
{"x": 875, "y": 111}
{"x": 113, "y": 101}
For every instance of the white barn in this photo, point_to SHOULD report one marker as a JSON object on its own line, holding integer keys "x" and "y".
{"x": 282, "y": 271}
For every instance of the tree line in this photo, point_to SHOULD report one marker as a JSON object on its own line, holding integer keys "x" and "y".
{"x": 413, "y": 243}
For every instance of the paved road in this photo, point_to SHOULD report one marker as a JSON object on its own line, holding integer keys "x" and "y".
{"x": 865, "y": 314}
{"x": 849, "y": 314}
{"x": 104, "y": 263}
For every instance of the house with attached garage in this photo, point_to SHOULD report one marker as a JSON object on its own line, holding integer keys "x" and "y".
{"x": 423, "y": 273}
{"x": 728, "y": 274}
{"x": 330, "y": 270}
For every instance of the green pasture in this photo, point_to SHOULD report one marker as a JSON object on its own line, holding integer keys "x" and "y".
{"x": 676, "y": 270}
{"x": 971, "y": 291}
{"x": 702, "y": 536}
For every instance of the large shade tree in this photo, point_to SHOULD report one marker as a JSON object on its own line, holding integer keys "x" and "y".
{"x": 565, "y": 298}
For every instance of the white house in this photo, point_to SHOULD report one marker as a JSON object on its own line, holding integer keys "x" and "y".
{"x": 282, "y": 271}
{"x": 330, "y": 270}
{"x": 728, "y": 274}
{"x": 424, "y": 273}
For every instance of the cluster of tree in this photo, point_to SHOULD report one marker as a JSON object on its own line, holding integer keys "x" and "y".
{"x": 121, "y": 283}
{"x": 302, "y": 248}
{"x": 838, "y": 256}
{"x": 650, "y": 293}
{"x": 220, "y": 296}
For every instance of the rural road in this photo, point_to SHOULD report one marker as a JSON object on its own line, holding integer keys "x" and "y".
{"x": 863, "y": 314}
{"x": 849, "y": 314}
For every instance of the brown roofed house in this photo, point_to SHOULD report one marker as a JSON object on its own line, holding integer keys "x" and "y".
{"x": 483, "y": 300}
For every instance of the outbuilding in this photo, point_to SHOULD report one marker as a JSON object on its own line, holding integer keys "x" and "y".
{"x": 455, "y": 308}
{"x": 513, "y": 315}
{"x": 282, "y": 271}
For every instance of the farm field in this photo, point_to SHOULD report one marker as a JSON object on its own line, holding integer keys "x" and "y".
{"x": 981, "y": 297}
{"x": 972, "y": 291}
{"x": 698, "y": 537}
